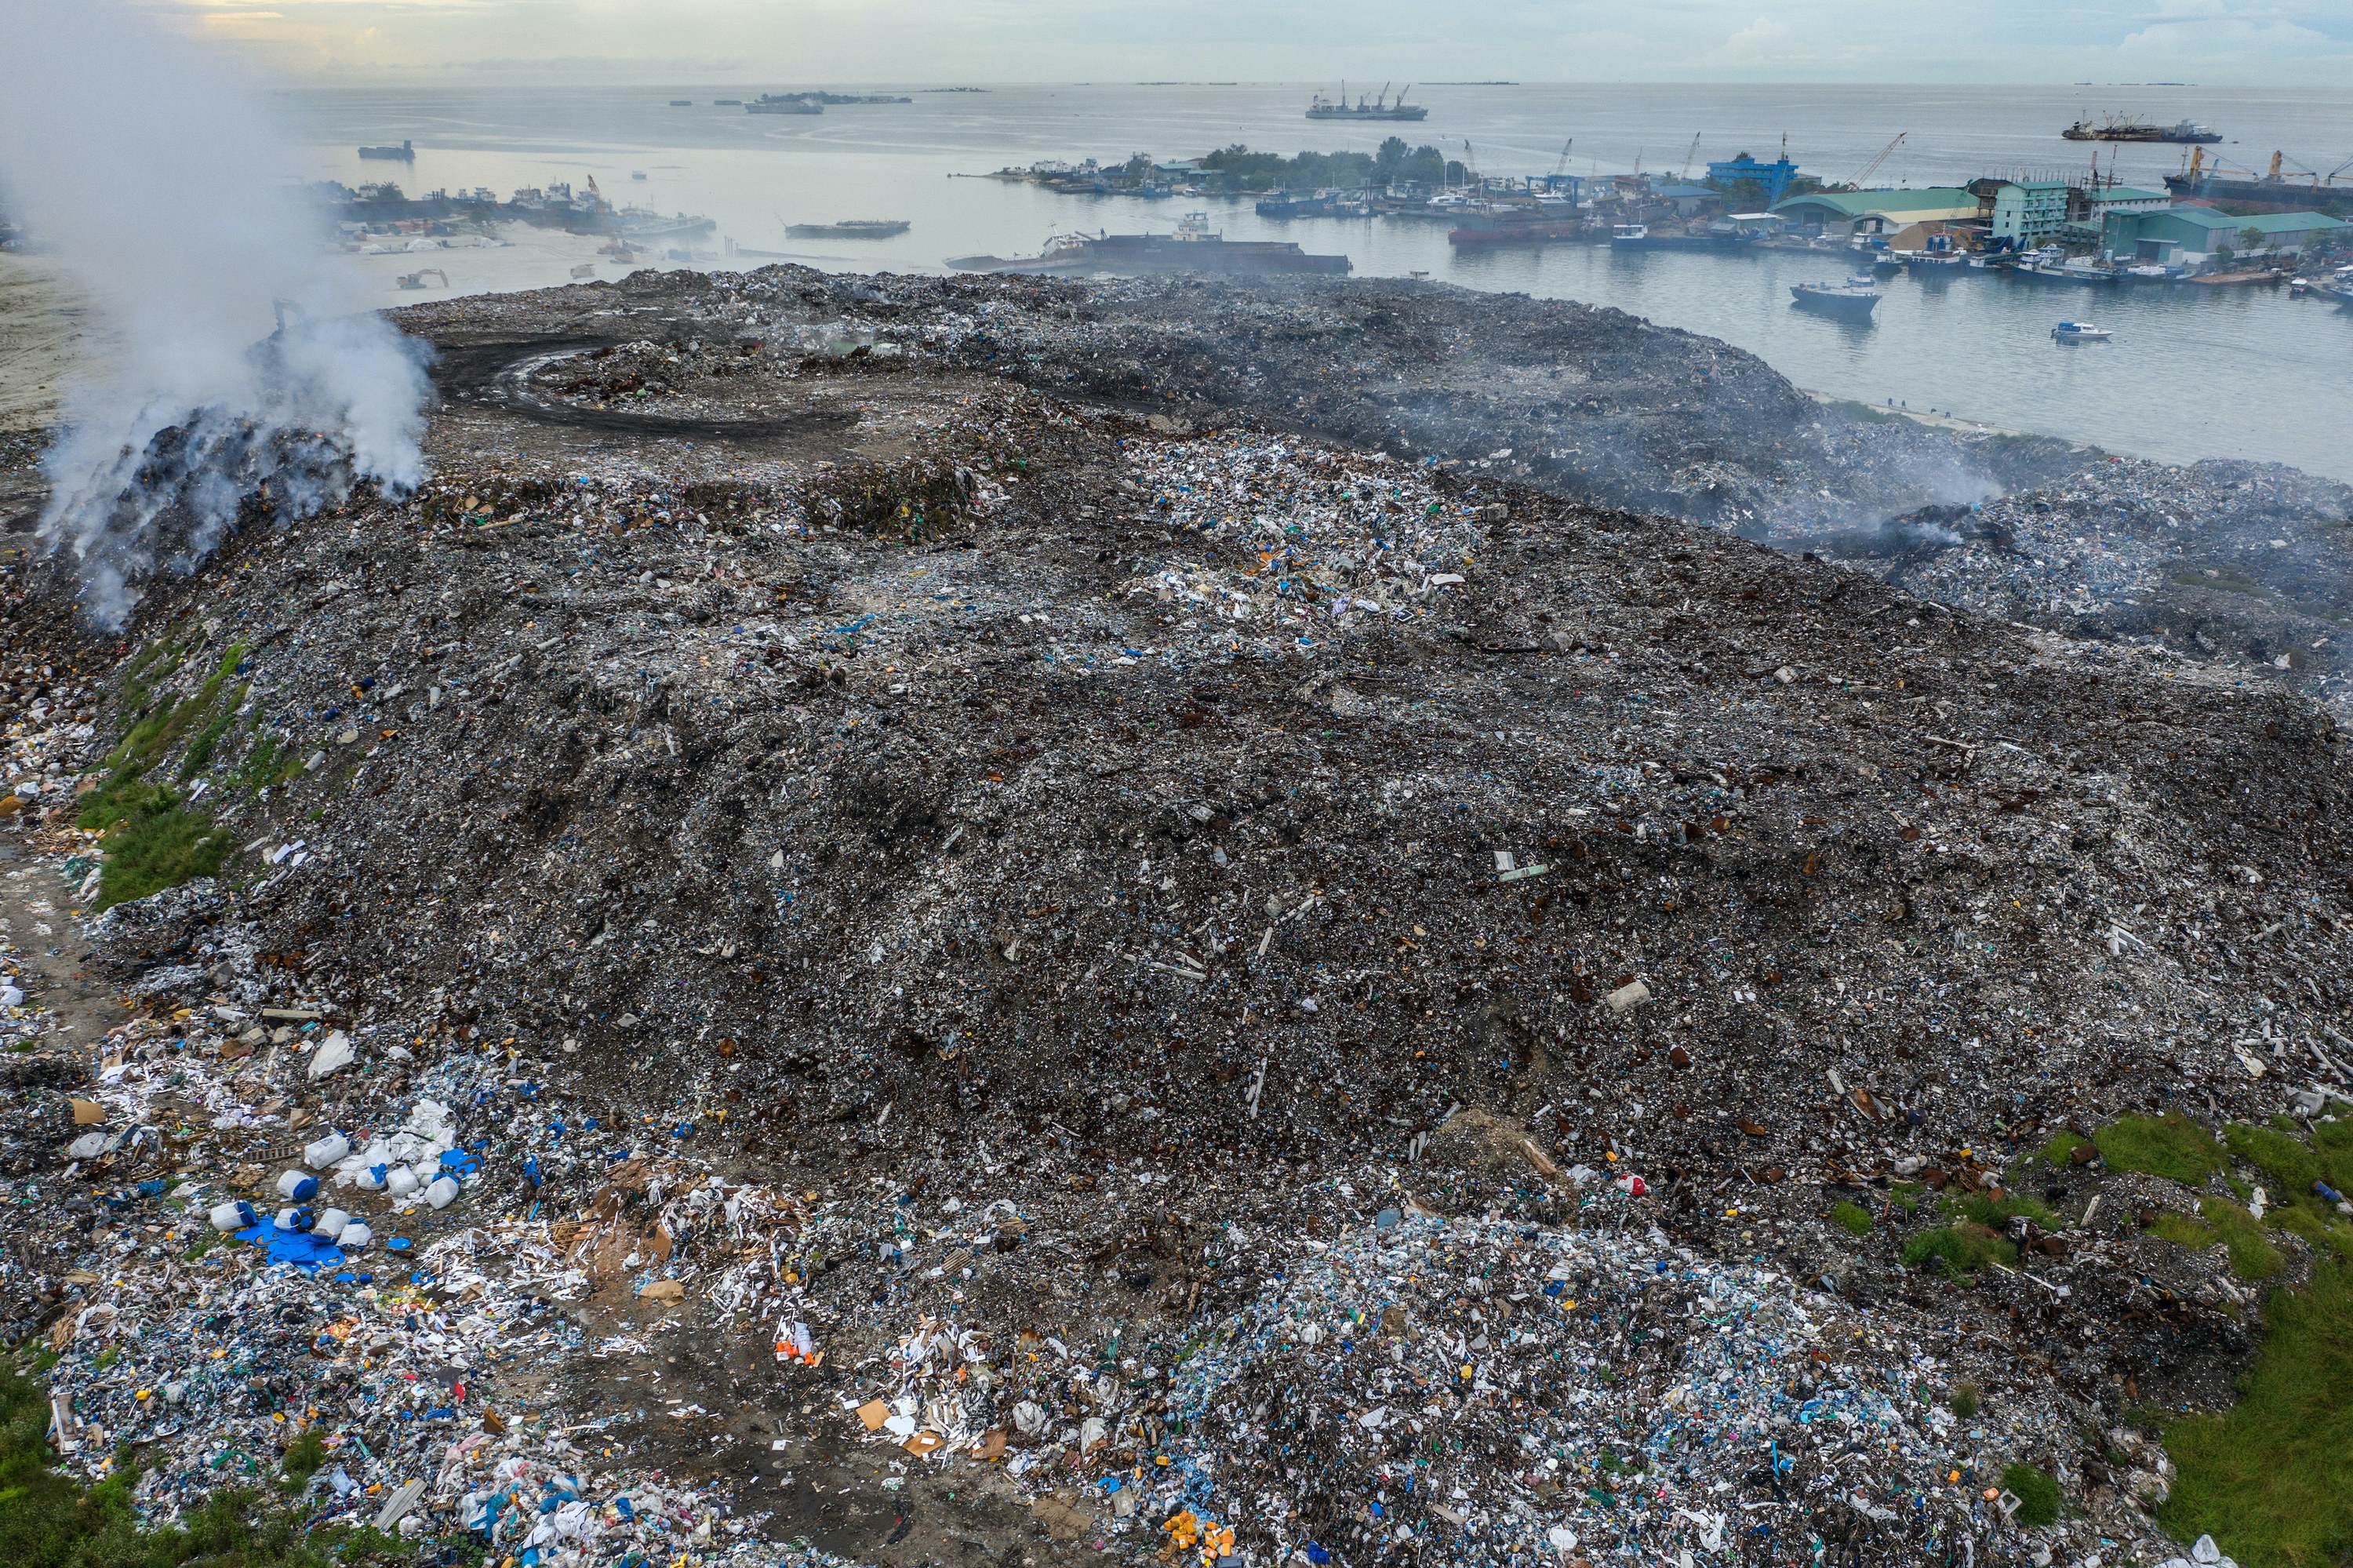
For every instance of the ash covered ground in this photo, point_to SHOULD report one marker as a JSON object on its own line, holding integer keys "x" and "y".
{"x": 1052, "y": 942}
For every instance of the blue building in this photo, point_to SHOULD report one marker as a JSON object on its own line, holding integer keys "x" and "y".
{"x": 1774, "y": 177}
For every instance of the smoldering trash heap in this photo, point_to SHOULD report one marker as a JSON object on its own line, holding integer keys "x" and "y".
{"x": 893, "y": 919}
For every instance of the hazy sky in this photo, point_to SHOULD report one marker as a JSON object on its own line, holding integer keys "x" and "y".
{"x": 2211, "y": 42}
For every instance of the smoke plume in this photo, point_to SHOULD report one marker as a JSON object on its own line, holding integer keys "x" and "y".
{"x": 156, "y": 174}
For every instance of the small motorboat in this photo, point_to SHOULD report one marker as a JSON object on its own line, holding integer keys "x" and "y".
{"x": 2080, "y": 332}
{"x": 1854, "y": 299}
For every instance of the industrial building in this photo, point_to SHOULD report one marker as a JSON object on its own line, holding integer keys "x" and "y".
{"x": 1875, "y": 213}
{"x": 2191, "y": 236}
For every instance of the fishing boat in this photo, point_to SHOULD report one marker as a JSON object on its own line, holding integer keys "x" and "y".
{"x": 404, "y": 154}
{"x": 2080, "y": 332}
{"x": 1638, "y": 236}
{"x": 1853, "y": 299}
{"x": 849, "y": 228}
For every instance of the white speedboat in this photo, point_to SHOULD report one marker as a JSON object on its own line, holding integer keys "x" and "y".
{"x": 2080, "y": 332}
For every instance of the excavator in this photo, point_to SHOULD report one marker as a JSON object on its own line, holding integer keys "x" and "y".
{"x": 417, "y": 280}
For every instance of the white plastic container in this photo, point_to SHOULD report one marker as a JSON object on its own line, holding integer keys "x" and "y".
{"x": 370, "y": 1180}
{"x": 294, "y": 1218}
{"x": 442, "y": 1192}
{"x": 354, "y": 1235}
{"x": 331, "y": 1224}
{"x": 237, "y": 1216}
{"x": 327, "y": 1150}
{"x": 298, "y": 1185}
{"x": 401, "y": 1181}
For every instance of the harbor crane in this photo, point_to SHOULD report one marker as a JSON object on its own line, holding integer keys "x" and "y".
{"x": 1561, "y": 165}
{"x": 1872, "y": 167}
{"x": 2330, "y": 177}
{"x": 1684, "y": 178}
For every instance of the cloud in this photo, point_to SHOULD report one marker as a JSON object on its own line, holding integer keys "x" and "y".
{"x": 2222, "y": 38}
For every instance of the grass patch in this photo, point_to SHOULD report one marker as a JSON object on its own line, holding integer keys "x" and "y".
{"x": 2172, "y": 1146}
{"x": 200, "y": 750}
{"x": 2253, "y": 1255}
{"x": 2037, "y": 1493}
{"x": 271, "y": 762}
{"x": 1996, "y": 1216}
{"x": 1959, "y": 1250}
{"x": 1853, "y": 1217}
{"x": 2322, "y": 1230}
{"x": 159, "y": 843}
{"x": 1965, "y": 1399}
{"x": 2272, "y": 1480}
{"x": 303, "y": 1458}
{"x": 1907, "y": 1196}
{"x": 2182, "y": 1230}
{"x": 2060, "y": 1152}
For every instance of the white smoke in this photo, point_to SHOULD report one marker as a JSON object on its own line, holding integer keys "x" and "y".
{"x": 154, "y": 171}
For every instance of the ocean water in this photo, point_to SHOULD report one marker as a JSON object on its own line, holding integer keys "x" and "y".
{"x": 2190, "y": 373}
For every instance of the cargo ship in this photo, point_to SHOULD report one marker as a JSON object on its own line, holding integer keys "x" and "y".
{"x": 1192, "y": 248}
{"x": 849, "y": 228}
{"x": 1522, "y": 224}
{"x": 2114, "y": 129}
{"x": 1323, "y": 204}
{"x": 405, "y": 153}
{"x": 1377, "y": 108}
{"x": 783, "y": 103}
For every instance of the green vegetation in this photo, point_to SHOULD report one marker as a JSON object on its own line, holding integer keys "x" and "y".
{"x": 2037, "y": 1494}
{"x": 2180, "y": 1230}
{"x": 1237, "y": 167}
{"x": 1853, "y": 1217}
{"x": 1906, "y": 1195}
{"x": 2253, "y": 1255}
{"x": 153, "y": 840}
{"x": 268, "y": 763}
{"x": 2272, "y": 1480}
{"x": 1964, "y": 1399}
{"x": 1996, "y": 1216}
{"x": 2172, "y": 1146}
{"x": 2060, "y": 1152}
{"x": 1959, "y": 1249}
{"x": 51, "y": 1521}
{"x": 159, "y": 844}
{"x": 201, "y": 751}
{"x": 303, "y": 1458}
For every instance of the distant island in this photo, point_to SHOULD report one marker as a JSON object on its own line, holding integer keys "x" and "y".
{"x": 952, "y": 89}
{"x": 832, "y": 98}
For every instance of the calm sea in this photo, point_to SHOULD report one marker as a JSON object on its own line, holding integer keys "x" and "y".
{"x": 2190, "y": 373}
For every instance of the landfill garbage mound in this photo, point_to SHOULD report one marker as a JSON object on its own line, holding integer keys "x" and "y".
{"x": 2248, "y": 565}
{"x": 852, "y": 959}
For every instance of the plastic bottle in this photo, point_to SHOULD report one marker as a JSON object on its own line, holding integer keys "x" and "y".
{"x": 298, "y": 1185}
{"x": 331, "y": 1224}
{"x": 234, "y": 1216}
{"x": 327, "y": 1150}
{"x": 442, "y": 1192}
